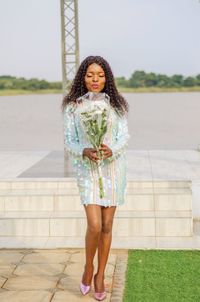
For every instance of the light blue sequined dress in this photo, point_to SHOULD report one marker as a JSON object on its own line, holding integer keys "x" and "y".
{"x": 113, "y": 168}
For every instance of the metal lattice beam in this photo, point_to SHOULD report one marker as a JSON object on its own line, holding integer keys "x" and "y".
{"x": 70, "y": 41}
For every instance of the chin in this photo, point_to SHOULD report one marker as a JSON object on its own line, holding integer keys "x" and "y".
{"x": 96, "y": 90}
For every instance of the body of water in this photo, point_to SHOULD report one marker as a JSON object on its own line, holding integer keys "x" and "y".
{"x": 155, "y": 120}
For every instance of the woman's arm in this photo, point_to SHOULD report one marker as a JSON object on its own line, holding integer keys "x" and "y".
{"x": 71, "y": 140}
{"x": 122, "y": 137}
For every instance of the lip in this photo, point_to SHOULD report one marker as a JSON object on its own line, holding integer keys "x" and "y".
{"x": 95, "y": 85}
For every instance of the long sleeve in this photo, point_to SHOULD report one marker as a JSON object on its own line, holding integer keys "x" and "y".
{"x": 122, "y": 137}
{"x": 71, "y": 140}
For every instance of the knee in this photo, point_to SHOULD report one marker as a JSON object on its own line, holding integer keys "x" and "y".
{"x": 107, "y": 226}
{"x": 94, "y": 227}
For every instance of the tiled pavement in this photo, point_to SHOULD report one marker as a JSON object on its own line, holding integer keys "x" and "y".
{"x": 37, "y": 275}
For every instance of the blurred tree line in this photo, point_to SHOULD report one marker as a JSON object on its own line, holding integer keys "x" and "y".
{"x": 10, "y": 82}
{"x": 137, "y": 79}
{"x": 142, "y": 79}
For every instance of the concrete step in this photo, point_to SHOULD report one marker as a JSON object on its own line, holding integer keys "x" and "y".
{"x": 62, "y": 202}
{"x": 59, "y": 183}
{"x": 81, "y": 214}
{"x": 128, "y": 226}
{"x": 43, "y": 209}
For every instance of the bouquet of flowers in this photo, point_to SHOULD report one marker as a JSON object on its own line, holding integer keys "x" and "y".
{"x": 94, "y": 119}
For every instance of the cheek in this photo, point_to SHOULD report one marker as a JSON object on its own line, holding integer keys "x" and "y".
{"x": 103, "y": 81}
{"x": 87, "y": 81}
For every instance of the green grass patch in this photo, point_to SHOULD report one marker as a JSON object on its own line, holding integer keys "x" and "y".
{"x": 23, "y": 91}
{"x": 121, "y": 89}
{"x": 158, "y": 89}
{"x": 159, "y": 275}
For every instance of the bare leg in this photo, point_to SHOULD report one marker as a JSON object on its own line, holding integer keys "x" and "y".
{"x": 104, "y": 245}
{"x": 94, "y": 224}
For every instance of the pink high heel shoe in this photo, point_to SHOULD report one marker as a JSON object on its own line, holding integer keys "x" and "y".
{"x": 99, "y": 296}
{"x": 84, "y": 288}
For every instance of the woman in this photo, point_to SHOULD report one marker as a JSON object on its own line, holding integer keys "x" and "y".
{"x": 94, "y": 81}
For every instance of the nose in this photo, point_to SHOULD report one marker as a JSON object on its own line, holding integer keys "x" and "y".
{"x": 95, "y": 78}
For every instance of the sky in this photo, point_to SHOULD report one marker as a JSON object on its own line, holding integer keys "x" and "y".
{"x": 151, "y": 35}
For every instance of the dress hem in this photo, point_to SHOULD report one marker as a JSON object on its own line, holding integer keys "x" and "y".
{"x": 105, "y": 205}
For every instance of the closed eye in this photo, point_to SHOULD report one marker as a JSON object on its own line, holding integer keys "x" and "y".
{"x": 101, "y": 76}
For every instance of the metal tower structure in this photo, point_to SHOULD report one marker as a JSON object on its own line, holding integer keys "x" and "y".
{"x": 70, "y": 41}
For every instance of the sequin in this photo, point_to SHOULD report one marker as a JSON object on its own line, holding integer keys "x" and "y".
{"x": 113, "y": 168}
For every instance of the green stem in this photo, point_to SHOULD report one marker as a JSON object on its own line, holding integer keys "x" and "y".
{"x": 100, "y": 179}
{"x": 101, "y": 187}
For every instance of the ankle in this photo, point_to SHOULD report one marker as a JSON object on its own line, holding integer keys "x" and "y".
{"x": 99, "y": 285}
{"x": 100, "y": 275}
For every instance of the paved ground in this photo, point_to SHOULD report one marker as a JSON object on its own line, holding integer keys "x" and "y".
{"x": 53, "y": 275}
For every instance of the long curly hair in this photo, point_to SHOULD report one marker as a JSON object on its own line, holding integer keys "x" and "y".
{"x": 78, "y": 87}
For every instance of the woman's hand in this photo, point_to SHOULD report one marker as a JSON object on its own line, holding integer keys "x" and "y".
{"x": 91, "y": 153}
{"x": 107, "y": 152}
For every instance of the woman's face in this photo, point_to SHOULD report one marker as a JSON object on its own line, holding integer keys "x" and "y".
{"x": 95, "y": 78}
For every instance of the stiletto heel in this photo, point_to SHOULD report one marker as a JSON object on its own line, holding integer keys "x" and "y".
{"x": 99, "y": 296}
